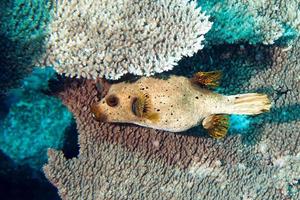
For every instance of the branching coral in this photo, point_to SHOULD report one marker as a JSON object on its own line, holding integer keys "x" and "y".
{"x": 118, "y": 161}
{"x": 107, "y": 38}
{"x": 255, "y": 21}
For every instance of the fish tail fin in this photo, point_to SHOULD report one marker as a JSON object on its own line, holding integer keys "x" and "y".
{"x": 249, "y": 104}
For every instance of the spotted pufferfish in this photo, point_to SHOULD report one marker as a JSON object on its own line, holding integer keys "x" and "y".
{"x": 177, "y": 104}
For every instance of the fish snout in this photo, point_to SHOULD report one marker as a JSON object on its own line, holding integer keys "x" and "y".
{"x": 97, "y": 114}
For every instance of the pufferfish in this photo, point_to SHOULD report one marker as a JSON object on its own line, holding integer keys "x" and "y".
{"x": 177, "y": 104}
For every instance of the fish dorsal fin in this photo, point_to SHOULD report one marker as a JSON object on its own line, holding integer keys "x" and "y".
{"x": 216, "y": 125}
{"x": 207, "y": 79}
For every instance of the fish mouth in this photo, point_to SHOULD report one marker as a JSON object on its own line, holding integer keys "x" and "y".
{"x": 97, "y": 114}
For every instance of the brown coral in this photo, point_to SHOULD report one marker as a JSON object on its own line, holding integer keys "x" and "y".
{"x": 126, "y": 161}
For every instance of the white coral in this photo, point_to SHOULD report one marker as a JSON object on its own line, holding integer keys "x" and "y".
{"x": 105, "y": 38}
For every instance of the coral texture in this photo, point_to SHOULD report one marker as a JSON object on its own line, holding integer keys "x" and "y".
{"x": 108, "y": 39}
{"x": 22, "y": 33}
{"x": 34, "y": 123}
{"x": 255, "y": 21}
{"x": 126, "y": 161}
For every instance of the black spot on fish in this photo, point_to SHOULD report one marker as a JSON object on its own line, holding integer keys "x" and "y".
{"x": 197, "y": 97}
{"x": 171, "y": 113}
{"x": 171, "y": 106}
{"x": 158, "y": 110}
{"x": 146, "y": 87}
{"x": 128, "y": 97}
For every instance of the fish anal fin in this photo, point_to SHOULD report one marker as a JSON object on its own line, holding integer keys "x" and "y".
{"x": 207, "y": 79}
{"x": 216, "y": 125}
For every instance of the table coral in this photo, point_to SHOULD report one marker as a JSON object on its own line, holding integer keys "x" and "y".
{"x": 108, "y": 39}
{"x": 254, "y": 21}
{"x": 126, "y": 161}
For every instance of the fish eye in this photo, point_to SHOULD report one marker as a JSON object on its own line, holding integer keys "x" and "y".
{"x": 112, "y": 100}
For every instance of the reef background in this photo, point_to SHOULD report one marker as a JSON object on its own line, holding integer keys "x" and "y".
{"x": 260, "y": 159}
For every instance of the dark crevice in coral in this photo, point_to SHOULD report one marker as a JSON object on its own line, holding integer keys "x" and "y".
{"x": 22, "y": 182}
{"x": 13, "y": 65}
{"x": 71, "y": 147}
{"x": 3, "y": 107}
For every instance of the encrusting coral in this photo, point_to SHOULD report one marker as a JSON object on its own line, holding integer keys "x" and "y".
{"x": 108, "y": 39}
{"x": 23, "y": 25}
{"x": 126, "y": 161}
{"x": 35, "y": 121}
{"x": 255, "y": 21}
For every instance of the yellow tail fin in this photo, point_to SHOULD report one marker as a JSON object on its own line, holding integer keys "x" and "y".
{"x": 249, "y": 104}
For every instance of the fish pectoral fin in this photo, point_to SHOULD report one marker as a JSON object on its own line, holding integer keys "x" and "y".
{"x": 154, "y": 117}
{"x": 216, "y": 125}
{"x": 207, "y": 79}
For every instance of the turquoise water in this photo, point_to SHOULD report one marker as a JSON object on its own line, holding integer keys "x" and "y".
{"x": 41, "y": 109}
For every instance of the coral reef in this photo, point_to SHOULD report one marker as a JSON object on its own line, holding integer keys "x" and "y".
{"x": 22, "y": 33}
{"x": 35, "y": 121}
{"x": 259, "y": 160}
{"x": 24, "y": 24}
{"x": 126, "y": 161}
{"x": 108, "y": 39}
{"x": 255, "y": 21}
